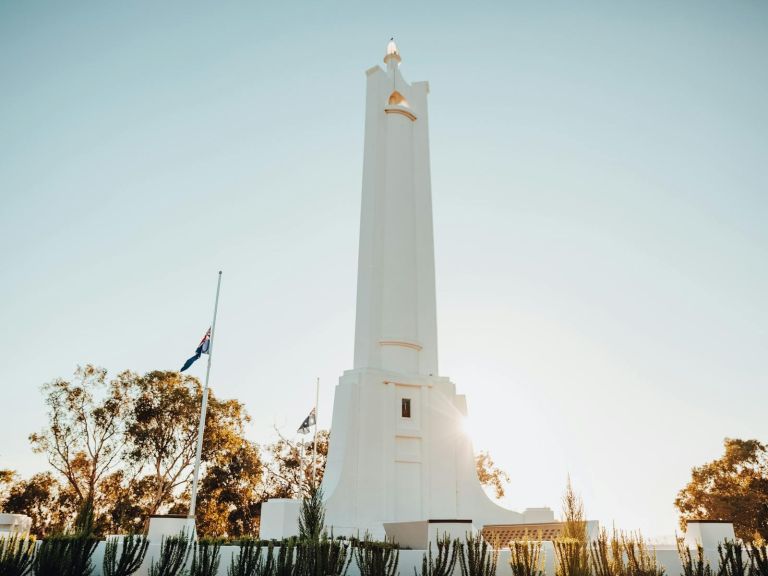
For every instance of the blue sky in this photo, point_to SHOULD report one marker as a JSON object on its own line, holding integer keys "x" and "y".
{"x": 601, "y": 208}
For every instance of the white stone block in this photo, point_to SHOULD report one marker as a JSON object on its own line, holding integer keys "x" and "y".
{"x": 419, "y": 535}
{"x": 170, "y": 525}
{"x": 279, "y": 518}
{"x": 15, "y": 523}
{"x": 538, "y": 515}
{"x": 708, "y": 533}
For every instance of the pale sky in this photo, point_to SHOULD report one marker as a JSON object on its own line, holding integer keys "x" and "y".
{"x": 600, "y": 191}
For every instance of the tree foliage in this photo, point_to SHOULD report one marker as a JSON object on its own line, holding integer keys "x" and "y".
{"x": 733, "y": 487}
{"x": 123, "y": 448}
{"x": 229, "y": 499}
{"x": 288, "y": 469}
{"x": 490, "y": 475}
{"x": 85, "y": 437}
{"x": 162, "y": 434}
{"x": 49, "y": 504}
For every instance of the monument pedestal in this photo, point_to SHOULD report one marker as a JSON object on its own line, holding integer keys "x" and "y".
{"x": 164, "y": 526}
{"x": 420, "y": 535}
{"x": 279, "y": 518}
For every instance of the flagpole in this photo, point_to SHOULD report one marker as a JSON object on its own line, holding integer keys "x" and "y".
{"x": 314, "y": 444}
{"x": 303, "y": 478}
{"x": 204, "y": 407}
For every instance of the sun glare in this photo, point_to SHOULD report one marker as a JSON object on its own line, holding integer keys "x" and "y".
{"x": 466, "y": 427}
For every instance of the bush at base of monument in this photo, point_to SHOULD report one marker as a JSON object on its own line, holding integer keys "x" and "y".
{"x": 174, "y": 552}
{"x": 477, "y": 557}
{"x": 206, "y": 558}
{"x": 376, "y": 558}
{"x": 526, "y": 558}
{"x": 65, "y": 555}
{"x": 16, "y": 553}
{"x": 132, "y": 550}
{"x": 447, "y": 556}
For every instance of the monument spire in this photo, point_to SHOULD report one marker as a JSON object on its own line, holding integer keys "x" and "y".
{"x": 397, "y": 452}
{"x": 396, "y": 327}
{"x": 392, "y": 57}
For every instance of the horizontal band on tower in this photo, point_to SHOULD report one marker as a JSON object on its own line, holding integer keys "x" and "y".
{"x": 401, "y": 111}
{"x": 402, "y": 344}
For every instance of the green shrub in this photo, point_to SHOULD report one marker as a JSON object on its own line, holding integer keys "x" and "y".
{"x": 376, "y": 558}
{"x": 323, "y": 557}
{"x": 174, "y": 552}
{"x": 16, "y": 552}
{"x": 205, "y": 558}
{"x": 697, "y": 566}
{"x": 65, "y": 555}
{"x": 526, "y": 557}
{"x": 640, "y": 560}
{"x": 312, "y": 515}
{"x": 447, "y": 556}
{"x": 606, "y": 555}
{"x": 758, "y": 559}
{"x": 285, "y": 565}
{"x": 477, "y": 558}
{"x": 249, "y": 561}
{"x": 571, "y": 557}
{"x": 731, "y": 555}
{"x": 132, "y": 550}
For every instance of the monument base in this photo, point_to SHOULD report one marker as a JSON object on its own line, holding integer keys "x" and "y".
{"x": 279, "y": 518}
{"x": 164, "y": 526}
{"x": 420, "y": 535}
{"x": 15, "y": 523}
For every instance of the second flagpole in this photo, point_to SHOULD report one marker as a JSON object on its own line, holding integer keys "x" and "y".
{"x": 314, "y": 444}
{"x": 204, "y": 407}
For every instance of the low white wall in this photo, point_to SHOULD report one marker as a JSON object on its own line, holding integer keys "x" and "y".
{"x": 410, "y": 559}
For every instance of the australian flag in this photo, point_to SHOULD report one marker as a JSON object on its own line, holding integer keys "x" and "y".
{"x": 308, "y": 421}
{"x": 202, "y": 348}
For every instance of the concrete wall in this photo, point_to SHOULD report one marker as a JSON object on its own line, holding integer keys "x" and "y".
{"x": 410, "y": 559}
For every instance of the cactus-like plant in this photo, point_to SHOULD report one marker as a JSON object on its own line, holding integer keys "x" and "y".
{"x": 606, "y": 555}
{"x": 206, "y": 558}
{"x": 732, "y": 562}
{"x": 445, "y": 562}
{"x": 174, "y": 552}
{"x": 571, "y": 557}
{"x": 526, "y": 557}
{"x": 16, "y": 552}
{"x": 640, "y": 560}
{"x": 324, "y": 557}
{"x": 50, "y": 557}
{"x": 285, "y": 565}
{"x": 376, "y": 558}
{"x": 758, "y": 559}
{"x": 697, "y": 566}
{"x": 477, "y": 558}
{"x": 132, "y": 550}
{"x": 65, "y": 555}
{"x": 248, "y": 559}
{"x": 312, "y": 515}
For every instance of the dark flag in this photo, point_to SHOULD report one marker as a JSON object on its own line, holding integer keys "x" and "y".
{"x": 308, "y": 421}
{"x": 202, "y": 348}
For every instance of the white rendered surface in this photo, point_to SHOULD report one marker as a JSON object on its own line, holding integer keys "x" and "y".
{"x": 15, "y": 523}
{"x": 279, "y": 518}
{"x": 164, "y": 526}
{"x": 383, "y": 467}
{"x": 708, "y": 534}
{"x": 420, "y": 535}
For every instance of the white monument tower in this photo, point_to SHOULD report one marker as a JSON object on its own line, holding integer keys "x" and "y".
{"x": 398, "y": 452}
